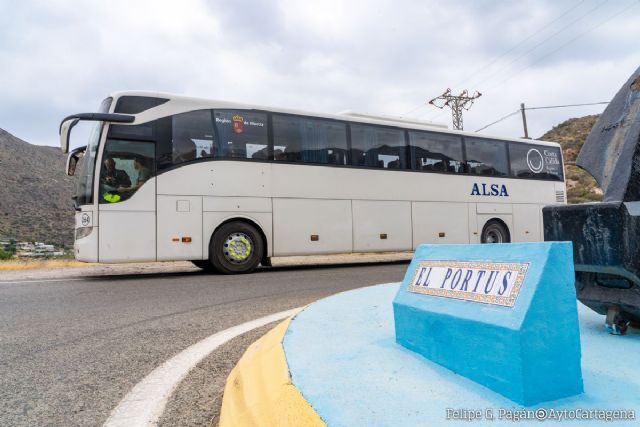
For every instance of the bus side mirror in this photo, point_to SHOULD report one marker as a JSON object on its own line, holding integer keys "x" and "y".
{"x": 72, "y": 159}
{"x": 71, "y": 165}
{"x": 65, "y": 134}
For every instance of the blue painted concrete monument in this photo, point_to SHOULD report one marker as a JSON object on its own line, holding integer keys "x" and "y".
{"x": 504, "y": 316}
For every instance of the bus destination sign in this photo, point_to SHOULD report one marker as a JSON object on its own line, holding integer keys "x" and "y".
{"x": 485, "y": 282}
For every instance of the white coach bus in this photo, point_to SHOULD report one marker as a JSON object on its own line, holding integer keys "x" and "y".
{"x": 227, "y": 186}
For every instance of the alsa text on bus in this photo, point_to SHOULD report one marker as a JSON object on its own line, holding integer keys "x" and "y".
{"x": 489, "y": 190}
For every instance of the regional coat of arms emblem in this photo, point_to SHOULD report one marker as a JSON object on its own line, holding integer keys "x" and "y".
{"x": 238, "y": 123}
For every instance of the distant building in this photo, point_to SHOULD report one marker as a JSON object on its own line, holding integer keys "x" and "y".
{"x": 37, "y": 250}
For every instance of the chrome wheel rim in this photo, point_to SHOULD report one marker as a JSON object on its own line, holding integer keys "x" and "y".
{"x": 237, "y": 248}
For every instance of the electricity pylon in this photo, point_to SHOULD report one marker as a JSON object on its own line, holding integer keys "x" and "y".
{"x": 457, "y": 103}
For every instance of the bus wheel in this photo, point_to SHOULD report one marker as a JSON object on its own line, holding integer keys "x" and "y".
{"x": 495, "y": 231}
{"x": 236, "y": 248}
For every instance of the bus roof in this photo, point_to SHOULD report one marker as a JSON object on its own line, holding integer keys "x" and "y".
{"x": 180, "y": 103}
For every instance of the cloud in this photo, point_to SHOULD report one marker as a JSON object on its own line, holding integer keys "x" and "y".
{"x": 60, "y": 57}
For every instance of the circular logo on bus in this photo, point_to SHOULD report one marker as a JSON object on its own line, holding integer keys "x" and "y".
{"x": 535, "y": 161}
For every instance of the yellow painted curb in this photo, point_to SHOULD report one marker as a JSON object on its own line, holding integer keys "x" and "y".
{"x": 259, "y": 391}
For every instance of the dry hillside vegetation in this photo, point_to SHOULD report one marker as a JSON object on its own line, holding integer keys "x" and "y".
{"x": 571, "y": 134}
{"x": 35, "y": 192}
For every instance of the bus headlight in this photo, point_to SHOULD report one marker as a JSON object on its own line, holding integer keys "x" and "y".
{"x": 83, "y": 232}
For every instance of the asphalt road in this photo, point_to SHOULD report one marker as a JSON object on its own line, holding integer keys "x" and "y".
{"x": 71, "y": 349}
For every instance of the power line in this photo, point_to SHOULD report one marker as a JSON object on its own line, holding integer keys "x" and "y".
{"x": 635, "y": 3}
{"x": 537, "y": 45}
{"x": 555, "y": 50}
{"x": 433, "y": 117}
{"x": 540, "y": 108}
{"x": 415, "y": 109}
{"x": 534, "y": 108}
{"x": 499, "y": 120}
{"x": 523, "y": 41}
{"x": 493, "y": 61}
{"x": 568, "y": 105}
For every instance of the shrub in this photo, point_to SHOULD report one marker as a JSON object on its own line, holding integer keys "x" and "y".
{"x": 4, "y": 254}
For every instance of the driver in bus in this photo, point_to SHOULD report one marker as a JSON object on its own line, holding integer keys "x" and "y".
{"x": 144, "y": 173}
{"x": 113, "y": 177}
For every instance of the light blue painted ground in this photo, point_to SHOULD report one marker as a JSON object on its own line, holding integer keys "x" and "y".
{"x": 343, "y": 357}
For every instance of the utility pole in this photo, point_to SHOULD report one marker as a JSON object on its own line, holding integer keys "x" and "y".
{"x": 524, "y": 121}
{"x": 457, "y": 103}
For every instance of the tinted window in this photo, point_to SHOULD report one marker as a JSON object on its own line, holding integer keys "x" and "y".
{"x": 486, "y": 156}
{"x": 241, "y": 134}
{"x": 302, "y": 139}
{"x": 126, "y": 166}
{"x": 535, "y": 161}
{"x": 436, "y": 152}
{"x": 142, "y": 131}
{"x": 137, "y": 104}
{"x": 192, "y": 136}
{"x": 377, "y": 146}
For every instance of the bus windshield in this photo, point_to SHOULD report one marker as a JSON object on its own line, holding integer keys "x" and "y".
{"x": 84, "y": 190}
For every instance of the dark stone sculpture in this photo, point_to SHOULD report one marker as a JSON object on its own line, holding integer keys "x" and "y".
{"x": 606, "y": 236}
{"x": 611, "y": 152}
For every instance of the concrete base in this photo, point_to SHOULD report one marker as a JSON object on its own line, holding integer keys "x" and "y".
{"x": 343, "y": 358}
{"x": 523, "y": 343}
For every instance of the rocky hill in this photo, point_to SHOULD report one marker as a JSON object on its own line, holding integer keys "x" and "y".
{"x": 571, "y": 134}
{"x": 35, "y": 193}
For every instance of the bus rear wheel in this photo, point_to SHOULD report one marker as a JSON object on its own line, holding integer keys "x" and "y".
{"x": 235, "y": 248}
{"x": 495, "y": 231}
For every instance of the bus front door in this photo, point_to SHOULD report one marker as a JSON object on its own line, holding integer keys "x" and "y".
{"x": 127, "y": 202}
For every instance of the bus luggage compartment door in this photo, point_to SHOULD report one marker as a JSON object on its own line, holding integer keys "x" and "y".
{"x": 439, "y": 222}
{"x": 179, "y": 228}
{"x": 527, "y": 223}
{"x": 311, "y": 226}
{"x": 381, "y": 225}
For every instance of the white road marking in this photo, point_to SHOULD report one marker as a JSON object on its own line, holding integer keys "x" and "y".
{"x": 145, "y": 402}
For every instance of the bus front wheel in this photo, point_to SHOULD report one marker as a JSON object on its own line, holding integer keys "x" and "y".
{"x": 495, "y": 231}
{"x": 236, "y": 247}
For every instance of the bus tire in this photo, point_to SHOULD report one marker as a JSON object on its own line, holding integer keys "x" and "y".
{"x": 236, "y": 247}
{"x": 495, "y": 231}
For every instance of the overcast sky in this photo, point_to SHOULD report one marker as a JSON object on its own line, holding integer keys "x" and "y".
{"x": 61, "y": 57}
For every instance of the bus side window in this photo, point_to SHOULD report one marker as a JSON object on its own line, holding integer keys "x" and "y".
{"x": 486, "y": 156}
{"x": 436, "y": 152}
{"x": 126, "y": 166}
{"x": 535, "y": 161}
{"x": 242, "y": 135}
{"x": 303, "y": 139}
{"x": 192, "y": 136}
{"x": 377, "y": 146}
